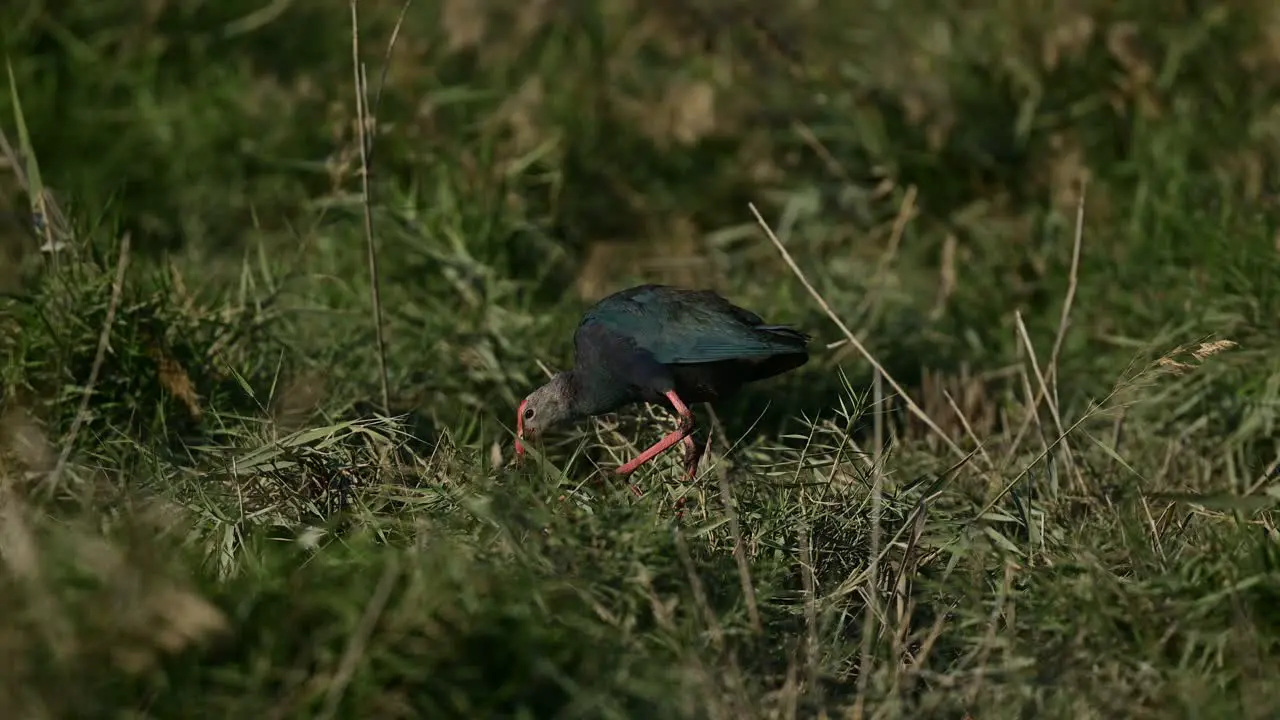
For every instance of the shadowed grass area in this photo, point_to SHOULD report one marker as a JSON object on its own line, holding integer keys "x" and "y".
{"x": 206, "y": 512}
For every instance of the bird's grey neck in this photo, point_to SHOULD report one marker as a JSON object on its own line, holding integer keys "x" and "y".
{"x": 570, "y": 387}
{"x": 594, "y": 393}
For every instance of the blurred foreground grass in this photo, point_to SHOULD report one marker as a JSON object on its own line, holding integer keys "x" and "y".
{"x": 232, "y": 529}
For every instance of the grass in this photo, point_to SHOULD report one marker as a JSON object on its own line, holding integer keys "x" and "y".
{"x": 209, "y": 512}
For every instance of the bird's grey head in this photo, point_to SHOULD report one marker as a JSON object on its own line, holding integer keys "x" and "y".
{"x": 546, "y": 407}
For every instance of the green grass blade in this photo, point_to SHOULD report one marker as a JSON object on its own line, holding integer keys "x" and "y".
{"x": 35, "y": 185}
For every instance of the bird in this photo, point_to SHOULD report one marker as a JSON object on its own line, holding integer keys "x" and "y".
{"x": 664, "y": 345}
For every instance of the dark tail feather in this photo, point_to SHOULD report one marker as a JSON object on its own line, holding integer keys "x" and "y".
{"x": 786, "y": 336}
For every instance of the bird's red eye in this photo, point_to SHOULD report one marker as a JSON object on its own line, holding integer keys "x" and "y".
{"x": 528, "y": 413}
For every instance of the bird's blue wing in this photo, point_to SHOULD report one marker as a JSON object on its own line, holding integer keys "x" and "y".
{"x": 690, "y": 328}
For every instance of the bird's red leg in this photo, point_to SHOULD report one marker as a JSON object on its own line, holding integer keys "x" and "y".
{"x": 665, "y": 444}
{"x": 692, "y": 454}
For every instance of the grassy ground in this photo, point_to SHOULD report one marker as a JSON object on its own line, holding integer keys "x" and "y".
{"x": 206, "y": 515}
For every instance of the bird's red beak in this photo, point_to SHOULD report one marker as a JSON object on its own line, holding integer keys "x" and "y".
{"x": 520, "y": 432}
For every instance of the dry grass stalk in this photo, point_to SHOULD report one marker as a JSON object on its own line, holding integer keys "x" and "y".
{"x": 365, "y": 119}
{"x": 104, "y": 339}
{"x": 740, "y": 553}
{"x": 1064, "y": 322}
{"x": 853, "y": 340}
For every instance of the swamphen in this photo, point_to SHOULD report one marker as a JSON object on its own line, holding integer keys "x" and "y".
{"x": 665, "y": 345}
